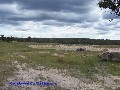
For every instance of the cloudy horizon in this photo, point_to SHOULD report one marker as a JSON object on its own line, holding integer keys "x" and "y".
{"x": 57, "y": 19}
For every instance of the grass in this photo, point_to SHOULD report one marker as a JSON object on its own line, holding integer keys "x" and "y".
{"x": 83, "y": 63}
{"x": 107, "y": 46}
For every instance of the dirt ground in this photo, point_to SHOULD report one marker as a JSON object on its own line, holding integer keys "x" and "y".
{"x": 67, "y": 82}
{"x": 73, "y": 47}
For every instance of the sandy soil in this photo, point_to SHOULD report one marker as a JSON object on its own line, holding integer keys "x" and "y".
{"x": 72, "y": 47}
{"x": 70, "y": 83}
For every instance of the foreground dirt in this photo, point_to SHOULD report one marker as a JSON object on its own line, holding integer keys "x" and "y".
{"x": 64, "y": 81}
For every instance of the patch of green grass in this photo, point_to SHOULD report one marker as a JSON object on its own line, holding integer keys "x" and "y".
{"x": 114, "y": 68}
{"x": 84, "y": 62}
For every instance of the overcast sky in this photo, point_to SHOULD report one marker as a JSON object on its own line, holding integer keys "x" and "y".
{"x": 57, "y": 19}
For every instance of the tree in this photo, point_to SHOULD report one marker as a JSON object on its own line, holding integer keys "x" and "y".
{"x": 2, "y": 38}
{"x": 8, "y": 39}
{"x": 28, "y": 39}
{"x": 113, "y": 5}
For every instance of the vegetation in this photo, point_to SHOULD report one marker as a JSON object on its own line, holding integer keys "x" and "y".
{"x": 83, "y": 41}
{"x": 82, "y": 64}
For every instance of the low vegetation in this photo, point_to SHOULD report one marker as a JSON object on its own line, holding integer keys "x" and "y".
{"x": 77, "y": 63}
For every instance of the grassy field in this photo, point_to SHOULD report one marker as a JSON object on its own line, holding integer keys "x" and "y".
{"x": 107, "y": 46}
{"x": 78, "y": 64}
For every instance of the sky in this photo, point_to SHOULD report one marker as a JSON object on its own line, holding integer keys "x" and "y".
{"x": 57, "y": 19}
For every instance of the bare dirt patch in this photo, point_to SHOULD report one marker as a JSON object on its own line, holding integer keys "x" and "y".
{"x": 72, "y": 47}
{"x": 44, "y": 74}
{"x": 110, "y": 81}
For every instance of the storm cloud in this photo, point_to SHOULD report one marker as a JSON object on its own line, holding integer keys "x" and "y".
{"x": 69, "y": 11}
{"x": 84, "y": 16}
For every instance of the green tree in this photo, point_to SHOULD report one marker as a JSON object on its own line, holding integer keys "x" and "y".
{"x": 2, "y": 38}
{"x": 8, "y": 39}
{"x": 113, "y": 5}
{"x": 28, "y": 39}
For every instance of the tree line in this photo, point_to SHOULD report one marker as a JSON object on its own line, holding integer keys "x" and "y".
{"x": 85, "y": 41}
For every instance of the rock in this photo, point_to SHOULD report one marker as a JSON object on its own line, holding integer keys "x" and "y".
{"x": 105, "y": 50}
{"x": 80, "y": 49}
{"x": 105, "y": 56}
{"x": 55, "y": 54}
{"x": 111, "y": 56}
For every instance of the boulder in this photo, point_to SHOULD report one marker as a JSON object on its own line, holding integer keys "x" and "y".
{"x": 80, "y": 49}
{"x": 111, "y": 56}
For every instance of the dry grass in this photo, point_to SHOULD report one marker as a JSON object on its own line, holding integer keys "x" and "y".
{"x": 85, "y": 63}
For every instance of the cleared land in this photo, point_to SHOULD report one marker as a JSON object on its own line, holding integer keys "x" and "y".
{"x": 73, "y": 47}
{"x": 59, "y": 63}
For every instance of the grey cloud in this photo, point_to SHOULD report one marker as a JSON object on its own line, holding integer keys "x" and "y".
{"x": 6, "y": 1}
{"x": 86, "y": 25}
{"x": 103, "y": 32}
{"x": 47, "y": 7}
{"x": 47, "y": 16}
{"x": 107, "y": 15}
{"x": 53, "y": 5}
{"x": 9, "y": 22}
{"x": 19, "y": 29}
{"x": 103, "y": 28}
{"x": 56, "y": 5}
{"x": 56, "y": 23}
{"x": 59, "y": 17}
